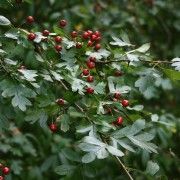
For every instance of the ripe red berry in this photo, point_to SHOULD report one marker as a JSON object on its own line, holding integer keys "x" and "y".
{"x": 125, "y": 103}
{"x": 93, "y": 37}
{"x": 6, "y": 170}
{"x": 97, "y": 47}
{"x": 119, "y": 121}
{"x": 62, "y": 23}
{"x": 90, "y": 90}
{"x": 118, "y": 73}
{"x": 31, "y": 36}
{"x": 90, "y": 79}
{"x": 90, "y": 64}
{"x": 58, "y": 48}
{"x": 97, "y": 33}
{"x": 78, "y": 45}
{"x": 30, "y": 19}
{"x": 89, "y": 32}
{"x": 90, "y": 43}
{"x": 117, "y": 95}
{"x": 74, "y": 34}
{"x": 46, "y": 33}
{"x": 53, "y": 127}
{"x": 85, "y": 72}
{"x": 60, "y": 101}
{"x": 58, "y": 39}
{"x": 1, "y": 178}
{"x": 92, "y": 59}
{"x": 85, "y": 35}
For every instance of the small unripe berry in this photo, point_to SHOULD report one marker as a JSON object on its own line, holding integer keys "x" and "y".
{"x": 125, "y": 103}
{"x": 119, "y": 121}
{"x": 30, "y": 19}
{"x": 60, "y": 101}
{"x": 62, "y": 23}
{"x": 97, "y": 47}
{"x": 90, "y": 90}
{"x": 58, "y": 48}
{"x": 85, "y": 72}
{"x": 117, "y": 95}
{"x": 53, "y": 127}
{"x": 90, "y": 79}
{"x": 90, "y": 64}
{"x": 74, "y": 34}
{"x": 31, "y": 36}
{"x": 6, "y": 170}
{"x": 58, "y": 39}
{"x": 46, "y": 33}
{"x": 78, "y": 45}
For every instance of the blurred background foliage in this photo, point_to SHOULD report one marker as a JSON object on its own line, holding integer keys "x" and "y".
{"x": 154, "y": 21}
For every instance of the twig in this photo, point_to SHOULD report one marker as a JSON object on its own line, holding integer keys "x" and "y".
{"x": 124, "y": 167}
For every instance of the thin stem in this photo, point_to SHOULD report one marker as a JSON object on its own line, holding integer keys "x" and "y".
{"x": 124, "y": 167}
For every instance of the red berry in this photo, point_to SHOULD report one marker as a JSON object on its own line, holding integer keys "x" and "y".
{"x": 85, "y": 35}
{"x": 31, "y": 36}
{"x": 74, "y": 34}
{"x": 90, "y": 79}
{"x": 63, "y": 23}
{"x": 97, "y": 47}
{"x": 117, "y": 95}
{"x": 125, "y": 103}
{"x": 30, "y": 19}
{"x": 90, "y": 64}
{"x": 58, "y": 39}
{"x": 78, "y": 45}
{"x": 58, "y": 48}
{"x": 92, "y": 59}
{"x": 89, "y": 32}
{"x": 90, "y": 43}
{"x": 60, "y": 101}
{"x": 93, "y": 37}
{"x": 85, "y": 72}
{"x": 46, "y": 33}
{"x": 97, "y": 33}
{"x": 53, "y": 127}
{"x": 1, "y": 178}
{"x": 119, "y": 121}
{"x": 6, "y": 170}
{"x": 90, "y": 90}
{"x": 118, "y": 73}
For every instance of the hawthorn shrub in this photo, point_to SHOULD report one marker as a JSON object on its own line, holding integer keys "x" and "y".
{"x": 73, "y": 107}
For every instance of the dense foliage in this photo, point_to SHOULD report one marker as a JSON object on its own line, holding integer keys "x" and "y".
{"x": 89, "y": 89}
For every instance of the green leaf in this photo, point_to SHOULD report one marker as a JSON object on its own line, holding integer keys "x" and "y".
{"x": 4, "y": 21}
{"x": 172, "y": 74}
{"x": 119, "y": 42}
{"x": 74, "y": 113}
{"x": 125, "y": 145}
{"x": 114, "y": 151}
{"x": 65, "y": 169}
{"x": 65, "y": 122}
{"x": 152, "y": 168}
{"x": 137, "y": 127}
{"x": 143, "y": 48}
{"x": 89, "y": 157}
{"x": 71, "y": 155}
{"x": 29, "y": 75}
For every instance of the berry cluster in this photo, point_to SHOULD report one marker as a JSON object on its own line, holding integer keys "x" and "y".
{"x": 4, "y": 170}
{"x": 93, "y": 38}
